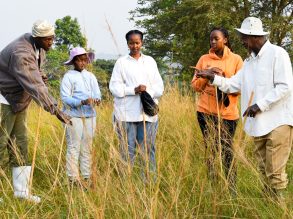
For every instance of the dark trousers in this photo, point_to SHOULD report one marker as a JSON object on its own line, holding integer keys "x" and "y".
{"x": 209, "y": 128}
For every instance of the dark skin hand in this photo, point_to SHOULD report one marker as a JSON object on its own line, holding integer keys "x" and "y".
{"x": 63, "y": 117}
{"x": 251, "y": 111}
{"x": 45, "y": 79}
{"x": 140, "y": 88}
{"x": 207, "y": 73}
{"x": 90, "y": 101}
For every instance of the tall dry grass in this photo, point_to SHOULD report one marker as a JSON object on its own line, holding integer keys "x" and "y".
{"x": 182, "y": 189}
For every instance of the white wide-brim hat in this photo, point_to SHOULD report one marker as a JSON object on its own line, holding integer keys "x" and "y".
{"x": 252, "y": 26}
{"x": 79, "y": 51}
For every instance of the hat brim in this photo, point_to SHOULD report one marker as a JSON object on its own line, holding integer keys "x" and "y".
{"x": 251, "y": 33}
{"x": 91, "y": 58}
{"x": 68, "y": 62}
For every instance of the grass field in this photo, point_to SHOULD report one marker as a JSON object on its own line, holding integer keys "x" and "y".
{"x": 182, "y": 189}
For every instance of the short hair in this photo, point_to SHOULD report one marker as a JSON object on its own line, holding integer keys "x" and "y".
{"x": 131, "y": 32}
{"x": 225, "y": 34}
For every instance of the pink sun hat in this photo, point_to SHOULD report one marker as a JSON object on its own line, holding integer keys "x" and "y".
{"x": 79, "y": 51}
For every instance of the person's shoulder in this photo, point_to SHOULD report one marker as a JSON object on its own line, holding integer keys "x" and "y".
{"x": 90, "y": 74}
{"x": 20, "y": 46}
{"x": 275, "y": 50}
{"x": 148, "y": 58}
{"x": 205, "y": 56}
{"x": 66, "y": 74}
{"x": 278, "y": 48}
{"x": 236, "y": 56}
{"x": 122, "y": 58}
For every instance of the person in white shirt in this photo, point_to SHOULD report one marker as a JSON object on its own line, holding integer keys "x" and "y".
{"x": 267, "y": 73}
{"x": 133, "y": 74}
{"x": 80, "y": 93}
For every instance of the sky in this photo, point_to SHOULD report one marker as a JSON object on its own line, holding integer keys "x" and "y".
{"x": 18, "y": 16}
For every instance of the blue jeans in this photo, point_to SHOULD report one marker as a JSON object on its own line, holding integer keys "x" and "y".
{"x": 131, "y": 136}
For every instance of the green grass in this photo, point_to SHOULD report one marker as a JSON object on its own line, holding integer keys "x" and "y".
{"x": 182, "y": 189}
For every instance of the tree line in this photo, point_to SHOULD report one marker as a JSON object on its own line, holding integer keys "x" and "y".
{"x": 177, "y": 34}
{"x": 68, "y": 34}
{"x": 177, "y": 31}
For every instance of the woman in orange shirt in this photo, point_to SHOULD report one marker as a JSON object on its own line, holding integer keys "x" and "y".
{"x": 213, "y": 104}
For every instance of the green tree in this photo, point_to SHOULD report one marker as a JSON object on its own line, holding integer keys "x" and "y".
{"x": 68, "y": 34}
{"x": 103, "y": 69}
{"x": 55, "y": 68}
{"x": 278, "y": 18}
{"x": 178, "y": 30}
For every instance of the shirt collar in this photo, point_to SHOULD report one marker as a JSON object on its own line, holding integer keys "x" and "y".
{"x": 141, "y": 57}
{"x": 79, "y": 71}
{"x": 262, "y": 50}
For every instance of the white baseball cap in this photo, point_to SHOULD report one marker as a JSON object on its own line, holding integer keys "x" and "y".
{"x": 252, "y": 26}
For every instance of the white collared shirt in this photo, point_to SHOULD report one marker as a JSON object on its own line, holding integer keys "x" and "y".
{"x": 127, "y": 74}
{"x": 269, "y": 76}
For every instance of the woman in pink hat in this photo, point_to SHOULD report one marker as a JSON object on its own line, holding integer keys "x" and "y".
{"x": 79, "y": 93}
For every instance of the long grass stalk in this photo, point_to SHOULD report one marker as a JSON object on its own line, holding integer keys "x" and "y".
{"x": 35, "y": 150}
{"x": 59, "y": 159}
{"x": 237, "y": 146}
{"x": 219, "y": 134}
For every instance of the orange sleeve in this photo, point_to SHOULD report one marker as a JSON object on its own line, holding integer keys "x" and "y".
{"x": 199, "y": 84}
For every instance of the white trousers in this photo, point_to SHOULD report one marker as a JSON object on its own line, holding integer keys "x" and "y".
{"x": 79, "y": 138}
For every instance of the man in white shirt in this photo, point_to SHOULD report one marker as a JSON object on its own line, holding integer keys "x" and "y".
{"x": 133, "y": 74}
{"x": 267, "y": 73}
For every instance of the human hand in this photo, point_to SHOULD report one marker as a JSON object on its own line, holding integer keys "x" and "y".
{"x": 97, "y": 102}
{"x": 63, "y": 117}
{"x": 251, "y": 111}
{"x": 217, "y": 71}
{"x": 45, "y": 79}
{"x": 207, "y": 73}
{"x": 140, "y": 88}
{"x": 90, "y": 101}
